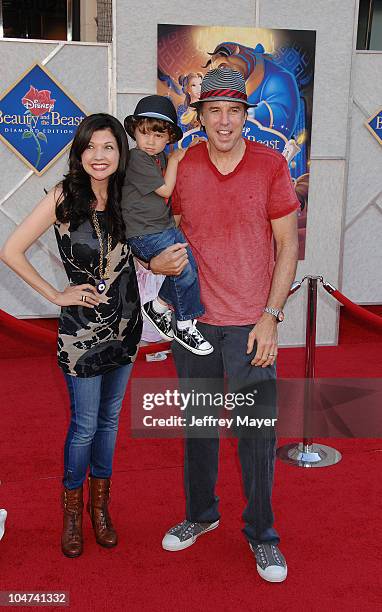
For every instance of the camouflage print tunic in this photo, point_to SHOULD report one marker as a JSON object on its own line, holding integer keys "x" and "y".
{"x": 92, "y": 341}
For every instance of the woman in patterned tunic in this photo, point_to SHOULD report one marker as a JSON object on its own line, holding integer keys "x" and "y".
{"x": 100, "y": 323}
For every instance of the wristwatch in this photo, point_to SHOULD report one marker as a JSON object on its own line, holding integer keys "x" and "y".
{"x": 275, "y": 312}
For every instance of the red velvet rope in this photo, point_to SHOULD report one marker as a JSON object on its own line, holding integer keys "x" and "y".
{"x": 32, "y": 331}
{"x": 28, "y": 330}
{"x": 356, "y": 310}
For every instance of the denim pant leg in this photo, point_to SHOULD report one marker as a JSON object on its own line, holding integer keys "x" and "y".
{"x": 201, "y": 455}
{"x": 85, "y": 396}
{"x": 256, "y": 450}
{"x": 181, "y": 292}
{"x": 113, "y": 389}
{"x": 95, "y": 402}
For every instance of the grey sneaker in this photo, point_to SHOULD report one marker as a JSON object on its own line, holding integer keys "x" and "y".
{"x": 271, "y": 564}
{"x": 184, "y": 534}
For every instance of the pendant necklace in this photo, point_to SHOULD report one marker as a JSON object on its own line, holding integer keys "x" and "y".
{"x": 103, "y": 274}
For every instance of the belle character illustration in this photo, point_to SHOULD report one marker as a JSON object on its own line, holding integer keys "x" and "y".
{"x": 190, "y": 84}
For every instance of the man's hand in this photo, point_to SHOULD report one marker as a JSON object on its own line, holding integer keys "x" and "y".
{"x": 265, "y": 334}
{"x": 172, "y": 261}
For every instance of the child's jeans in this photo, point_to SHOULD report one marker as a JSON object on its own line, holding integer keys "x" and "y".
{"x": 182, "y": 291}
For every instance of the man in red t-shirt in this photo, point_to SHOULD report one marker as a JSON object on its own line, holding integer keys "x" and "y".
{"x": 234, "y": 198}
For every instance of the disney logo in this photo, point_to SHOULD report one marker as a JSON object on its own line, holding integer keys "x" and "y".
{"x": 38, "y": 102}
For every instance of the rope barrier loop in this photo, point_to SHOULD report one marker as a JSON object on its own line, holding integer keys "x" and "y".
{"x": 47, "y": 335}
{"x": 355, "y": 309}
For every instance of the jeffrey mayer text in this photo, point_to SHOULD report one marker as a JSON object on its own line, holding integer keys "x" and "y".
{"x": 208, "y": 421}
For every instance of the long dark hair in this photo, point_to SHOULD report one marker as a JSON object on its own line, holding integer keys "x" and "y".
{"x": 77, "y": 197}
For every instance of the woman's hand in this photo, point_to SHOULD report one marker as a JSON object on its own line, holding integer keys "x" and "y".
{"x": 80, "y": 295}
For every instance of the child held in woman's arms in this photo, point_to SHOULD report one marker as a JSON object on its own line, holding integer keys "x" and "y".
{"x": 150, "y": 226}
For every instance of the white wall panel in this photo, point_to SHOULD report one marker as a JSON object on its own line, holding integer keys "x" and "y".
{"x": 367, "y": 82}
{"x": 333, "y": 22}
{"x": 322, "y": 253}
{"x": 137, "y": 33}
{"x": 16, "y": 57}
{"x": 16, "y": 297}
{"x": 362, "y": 277}
{"x": 83, "y": 71}
{"x": 364, "y": 181}
{"x": 362, "y": 254}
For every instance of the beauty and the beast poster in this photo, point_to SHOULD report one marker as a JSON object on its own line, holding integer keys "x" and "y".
{"x": 278, "y": 67}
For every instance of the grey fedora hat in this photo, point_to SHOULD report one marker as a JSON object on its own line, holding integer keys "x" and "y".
{"x": 223, "y": 84}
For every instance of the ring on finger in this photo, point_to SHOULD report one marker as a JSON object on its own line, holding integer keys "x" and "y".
{"x": 83, "y": 298}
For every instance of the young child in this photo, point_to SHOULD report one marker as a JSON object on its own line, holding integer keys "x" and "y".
{"x": 150, "y": 226}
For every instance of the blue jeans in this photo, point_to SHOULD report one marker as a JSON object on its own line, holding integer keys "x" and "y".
{"x": 95, "y": 404}
{"x": 182, "y": 291}
{"x": 256, "y": 454}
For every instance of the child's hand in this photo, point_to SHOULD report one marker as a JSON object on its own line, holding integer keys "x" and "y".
{"x": 197, "y": 140}
{"x": 178, "y": 154}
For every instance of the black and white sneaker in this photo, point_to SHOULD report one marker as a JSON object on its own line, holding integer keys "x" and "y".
{"x": 193, "y": 340}
{"x": 161, "y": 321}
{"x": 271, "y": 564}
{"x": 184, "y": 534}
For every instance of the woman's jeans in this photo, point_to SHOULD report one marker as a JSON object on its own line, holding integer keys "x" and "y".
{"x": 95, "y": 404}
{"x": 182, "y": 292}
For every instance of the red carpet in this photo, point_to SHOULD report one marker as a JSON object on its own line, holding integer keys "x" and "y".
{"x": 329, "y": 519}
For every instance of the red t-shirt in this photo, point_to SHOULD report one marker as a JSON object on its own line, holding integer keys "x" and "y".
{"x": 226, "y": 220}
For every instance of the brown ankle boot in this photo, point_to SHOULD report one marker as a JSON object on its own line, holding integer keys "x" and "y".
{"x": 71, "y": 540}
{"x": 99, "y": 496}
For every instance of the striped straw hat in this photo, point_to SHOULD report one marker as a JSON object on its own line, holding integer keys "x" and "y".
{"x": 223, "y": 84}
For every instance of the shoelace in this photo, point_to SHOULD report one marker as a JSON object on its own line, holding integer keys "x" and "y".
{"x": 168, "y": 316}
{"x": 262, "y": 554}
{"x": 73, "y": 530}
{"x": 101, "y": 519}
{"x": 184, "y": 527}
{"x": 264, "y": 557}
{"x": 276, "y": 555}
{"x": 193, "y": 331}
